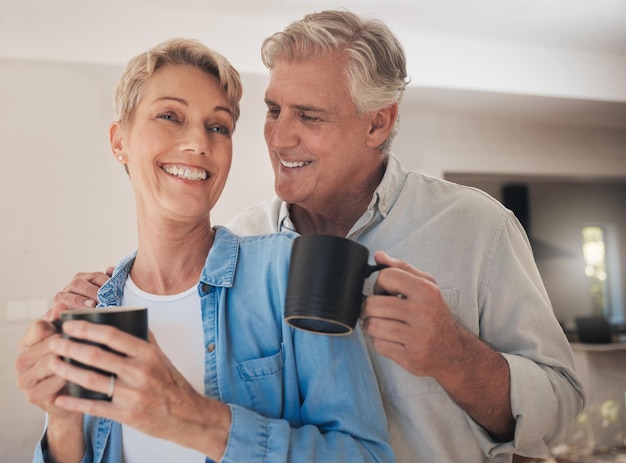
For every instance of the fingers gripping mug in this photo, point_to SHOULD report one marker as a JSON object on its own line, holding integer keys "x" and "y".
{"x": 325, "y": 283}
{"x": 133, "y": 320}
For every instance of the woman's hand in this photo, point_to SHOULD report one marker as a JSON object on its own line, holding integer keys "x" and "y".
{"x": 41, "y": 386}
{"x": 149, "y": 393}
{"x": 35, "y": 378}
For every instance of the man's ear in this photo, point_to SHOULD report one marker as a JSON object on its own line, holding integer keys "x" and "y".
{"x": 381, "y": 125}
{"x": 116, "y": 138}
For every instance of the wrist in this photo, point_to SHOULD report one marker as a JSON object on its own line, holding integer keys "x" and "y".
{"x": 207, "y": 429}
{"x": 64, "y": 438}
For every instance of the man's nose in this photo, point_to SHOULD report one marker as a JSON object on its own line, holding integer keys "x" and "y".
{"x": 281, "y": 132}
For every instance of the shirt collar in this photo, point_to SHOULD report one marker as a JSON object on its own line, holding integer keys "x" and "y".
{"x": 221, "y": 263}
{"x": 111, "y": 292}
{"x": 219, "y": 269}
{"x": 389, "y": 188}
{"x": 284, "y": 219}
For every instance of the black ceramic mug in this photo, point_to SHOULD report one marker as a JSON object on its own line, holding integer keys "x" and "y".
{"x": 133, "y": 320}
{"x": 325, "y": 285}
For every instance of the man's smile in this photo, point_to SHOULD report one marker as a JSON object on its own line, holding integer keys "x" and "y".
{"x": 294, "y": 164}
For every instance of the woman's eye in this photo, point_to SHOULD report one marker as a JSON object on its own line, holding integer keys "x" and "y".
{"x": 168, "y": 116}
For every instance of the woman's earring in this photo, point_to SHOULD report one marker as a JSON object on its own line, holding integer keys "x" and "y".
{"x": 120, "y": 157}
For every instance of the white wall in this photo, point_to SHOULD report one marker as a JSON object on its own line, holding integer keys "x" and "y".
{"x": 439, "y": 141}
{"x": 66, "y": 205}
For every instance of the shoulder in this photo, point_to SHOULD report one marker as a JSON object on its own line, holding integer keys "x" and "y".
{"x": 425, "y": 204}
{"x": 268, "y": 240}
{"x": 263, "y": 260}
{"x": 439, "y": 194}
{"x": 432, "y": 195}
{"x": 259, "y": 245}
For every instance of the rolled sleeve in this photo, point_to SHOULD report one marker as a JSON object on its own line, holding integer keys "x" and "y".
{"x": 249, "y": 438}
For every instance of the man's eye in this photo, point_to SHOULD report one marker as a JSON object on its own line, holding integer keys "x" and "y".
{"x": 218, "y": 129}
{"x": 273, "y": 112}
{"x": 306, "y": 118}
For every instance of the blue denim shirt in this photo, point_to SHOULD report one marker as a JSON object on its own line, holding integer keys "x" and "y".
{"x": 294, "y": 396}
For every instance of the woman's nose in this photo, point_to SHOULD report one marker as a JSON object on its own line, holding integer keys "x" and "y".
{"x": 196, "y": 139}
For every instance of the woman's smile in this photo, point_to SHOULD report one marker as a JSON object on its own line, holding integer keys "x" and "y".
{"x": 185, "y": 172}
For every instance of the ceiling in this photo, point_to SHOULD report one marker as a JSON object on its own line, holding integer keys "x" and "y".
{"x": 589, "y": 26}
{"x": 567, "y": 56}
{"x": 594, "y": 26}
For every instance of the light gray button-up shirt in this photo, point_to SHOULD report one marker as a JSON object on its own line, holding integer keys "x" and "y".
{"x": 481, "y": 259}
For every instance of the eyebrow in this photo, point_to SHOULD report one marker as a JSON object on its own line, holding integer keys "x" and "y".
{"x": 185, "y": 103}
{"x": 299, "y": 107}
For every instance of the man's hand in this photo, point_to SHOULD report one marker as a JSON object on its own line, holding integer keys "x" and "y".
{"x": 83, "y": 289}
{"x": 410, "y": 323}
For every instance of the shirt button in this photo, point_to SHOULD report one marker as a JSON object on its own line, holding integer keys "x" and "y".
{"x": 205, "y": 288}
{"x": 210, "y": 347}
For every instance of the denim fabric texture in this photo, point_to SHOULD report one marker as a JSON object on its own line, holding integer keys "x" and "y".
{"x": 294, "y": 396}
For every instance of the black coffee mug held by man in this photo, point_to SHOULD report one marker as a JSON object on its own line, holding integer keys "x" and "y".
{"x": 325, "y": 284}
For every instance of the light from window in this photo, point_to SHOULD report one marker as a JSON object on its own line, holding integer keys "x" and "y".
{"x": 594, "y": 251}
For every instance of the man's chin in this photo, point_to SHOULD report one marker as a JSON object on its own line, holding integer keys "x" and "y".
{"x": 289, "y": 194}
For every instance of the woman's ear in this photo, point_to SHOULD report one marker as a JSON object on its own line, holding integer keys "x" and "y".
{"x": 116, "y": 138}
{"x": 381, "y": 125}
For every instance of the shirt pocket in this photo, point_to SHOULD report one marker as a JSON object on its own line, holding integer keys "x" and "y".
{"x": 263, "y": 381}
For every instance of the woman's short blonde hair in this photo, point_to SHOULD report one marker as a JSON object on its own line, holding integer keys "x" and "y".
{"x": 175, "y": 51}
{"x": 375, "y": 60}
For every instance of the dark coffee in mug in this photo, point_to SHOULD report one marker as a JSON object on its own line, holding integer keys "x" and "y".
{"x": 325, "y": 284}
{"x": 133, "y": 320}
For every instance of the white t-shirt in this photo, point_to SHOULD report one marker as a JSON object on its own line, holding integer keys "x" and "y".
{"x": 176, "y": 322}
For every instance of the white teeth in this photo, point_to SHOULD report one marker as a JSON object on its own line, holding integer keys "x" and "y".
{"x": 294, "y": 164}
{"x": 187, "y": 173}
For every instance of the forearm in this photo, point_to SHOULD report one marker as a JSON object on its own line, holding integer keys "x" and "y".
{"x": 478, "y": 381}
{"x": 207, "y": 430}
{"x": 64, "y": 439}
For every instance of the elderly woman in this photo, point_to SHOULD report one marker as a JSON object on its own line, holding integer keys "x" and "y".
{"x": 227, "y": 380}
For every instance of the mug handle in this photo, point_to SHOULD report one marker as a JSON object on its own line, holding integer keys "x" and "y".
{"x": 374, "y": 268}
{"x": 371, "y": 269}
